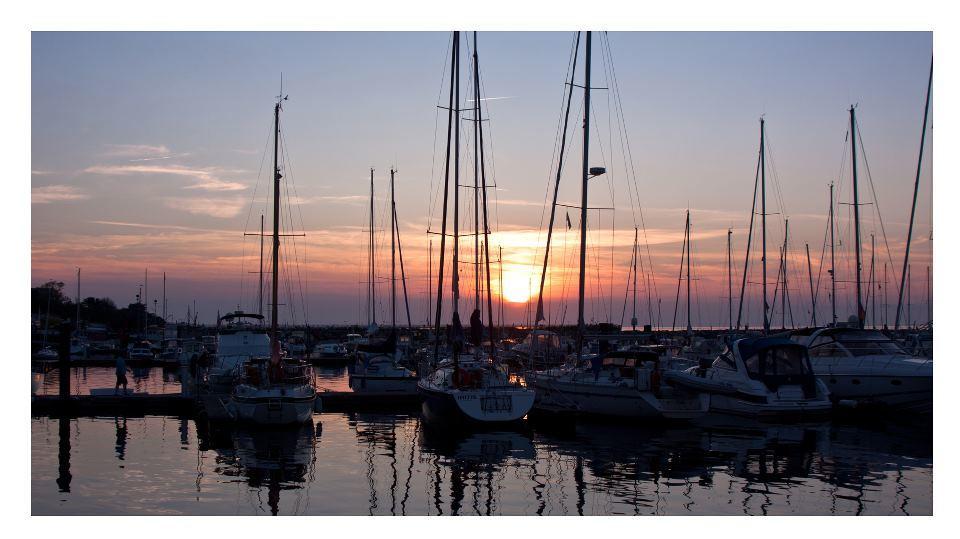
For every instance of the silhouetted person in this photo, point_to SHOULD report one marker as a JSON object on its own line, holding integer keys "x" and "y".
{"x": 476, "y": 328}
{"x": 121, "y": 375}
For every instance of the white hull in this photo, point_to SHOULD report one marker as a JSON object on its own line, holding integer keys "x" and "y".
{"x": 383, "y": 384}
{"x": 592, "y": 399}
{"x": 272, "y": 406}
{"x": 907, "y": 393}
{"x": 487, "y": 405}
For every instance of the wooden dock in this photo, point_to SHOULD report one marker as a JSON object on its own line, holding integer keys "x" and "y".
{"x": 140, "y": 404}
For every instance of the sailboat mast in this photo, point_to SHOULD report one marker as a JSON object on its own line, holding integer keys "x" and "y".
{"x": 916, "y": 188}
{"x": 78, "y": 300}
{"x": 164, "y": 296}
{"x": 393, "y": 254}
{"x": 909, "y": 318}
{"x": 556, "y": 186}
{"x": 872, "y": 297}
{"x": 455, "y": 278}
{"x": 813, "y": 298}
{"x": 763, "y": 224}
{"x": 581, "y": 326}
{"x": 483, "y": 187}
{"x": 274, "y": 277}
{"x": 833, "y": 267}
{"x": 856, "y": 214}
{"x": 730, "y": 278}
{"x": 689, "y": 248}
{"x": 260, "y": 293}
{"x": 372, "y": 286}
{"x": 929, "y": 298}
{"x": 633, "y": 319}
{"x": 784, "y": 296}
{"x": 446, "y": 191}
{"x": 476, "y": 179}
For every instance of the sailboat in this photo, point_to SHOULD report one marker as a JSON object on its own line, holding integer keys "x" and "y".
{"x": 378, "y": 365}
{"x": 274, "y": 390}
{"x": 764, "y": 376}
{"x": 472, "y": 385}
{"x": 622, "y": 383}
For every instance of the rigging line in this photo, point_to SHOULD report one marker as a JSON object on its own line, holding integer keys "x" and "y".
{"x": 876, "y": 202}
{"x": 436, "y": 126}
{"x": 253, "y": 200}
{"x": 633, "y": 172}
{"x": 676, "y": 303}
{"x": 750, "y": 232}
{"x": 291, "y": 183}
{"x": 559, "y": 140}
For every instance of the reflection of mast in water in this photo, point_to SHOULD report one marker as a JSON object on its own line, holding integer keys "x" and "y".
{"x": 406, "y": 488}
{"x": 581, "y": 486}
{"x": 63, "y": 456}
{"x": 121, "y": 447}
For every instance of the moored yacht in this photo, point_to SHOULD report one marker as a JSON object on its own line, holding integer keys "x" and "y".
{"x": 864, "y": 367}
{"x": 377, "y": 369}
{"x": 474, "y": 389}
{"x": 758, "y": 377}
{"x": 623, "y": 383}
{"x": 240, "y": 337}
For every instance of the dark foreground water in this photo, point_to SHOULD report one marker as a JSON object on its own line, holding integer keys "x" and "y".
{"x": 393, "y": 464}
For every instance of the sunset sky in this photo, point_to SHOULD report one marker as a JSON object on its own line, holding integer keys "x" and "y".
{"x": 149, "y": 151}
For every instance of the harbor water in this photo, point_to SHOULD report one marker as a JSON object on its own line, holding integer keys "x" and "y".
{"x": 396, "y": 464}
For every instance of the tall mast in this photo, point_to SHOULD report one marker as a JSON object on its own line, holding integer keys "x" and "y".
{"x": 929, "y": 298}
{"x": 871, "y": 299}
{"x": 393, "y": 254}
{"x": 275, "y": 255}
{"x": 446, "y": 190}
{"x": 556, "y": 186}
{"x": 856, "y": 214}
{"x": 813, "y": 298}
{"x": 146, "y": 302}
{"x": 763, "y": 221}
{"x": 581, "y": 326}
{"x": 916, "y": 188}
{"x": 633, "y": 320}
{"x": 500, "y": 265}
{"x": 909, "y": 318}
{"x": 476, "y": 179}
{"x": 885, "y": 306}
{"x": 164, "y": 296}
{"x": 730, "y": 277}
{"x": 455, "y": 278}
{"x": 260, "y": 293}
{"x": 78, "y": 299}
{"x": 689, "y": 248}
{"x": 833, "y": 268}
{"x": 371, "y": 270}
{"x": 483, "y": 187}
{"x": 785, "y": 294}
{"x": 429, "y": 279}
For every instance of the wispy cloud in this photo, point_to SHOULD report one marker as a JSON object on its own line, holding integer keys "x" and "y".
{"x": 36, "y": 172}
{"x": 56, "y": 193}
{"x": 517, "y": 202}
{"x": 136, "y": 150}
{"x": 205, "y": 178}
{"x": 350, "y": 199}
{"x": 223, "y": 208}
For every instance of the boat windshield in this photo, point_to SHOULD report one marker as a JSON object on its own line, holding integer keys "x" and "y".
{"x": 777, "y": 361}
{"x": 856, "y": 342}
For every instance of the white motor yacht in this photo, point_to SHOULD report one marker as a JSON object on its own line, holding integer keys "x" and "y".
{"x": 864, "y": 367}
{"x": 377, "y": 369}
{"x": 622, "y": 383}
{"x": 240, "y": 337}
{"x": 758, "y": 377}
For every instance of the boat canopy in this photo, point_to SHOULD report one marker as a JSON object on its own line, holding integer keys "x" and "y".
{"x": 239, "y": 315}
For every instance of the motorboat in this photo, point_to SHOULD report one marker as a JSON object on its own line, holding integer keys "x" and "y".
{"x": 864, "y": 367}
{"x": 621, "y": 383}
{"x": 274, "y": 391}
{"x": 758, "y": 377}
{"x": 240, "y": 337}
{"x": 540, "y": 349}
{"x": 377, "y": 369}
{"x": 474, "y": 389}
{"x": 47, "y": 353}
{"x": 141, "y": 351}
{"x": 330, "y": 352}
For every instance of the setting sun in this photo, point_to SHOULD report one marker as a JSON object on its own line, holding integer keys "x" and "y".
{"x": 517, "y": 285}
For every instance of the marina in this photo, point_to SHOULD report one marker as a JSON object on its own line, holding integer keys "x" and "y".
{"x": 442, "y": 335}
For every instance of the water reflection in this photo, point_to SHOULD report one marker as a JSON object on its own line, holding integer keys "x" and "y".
{"x": 277, "y": 459}
{"x": 373, "y": 464}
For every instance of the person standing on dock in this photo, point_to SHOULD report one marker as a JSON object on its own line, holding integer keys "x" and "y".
{"x": 121, "y": 375}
